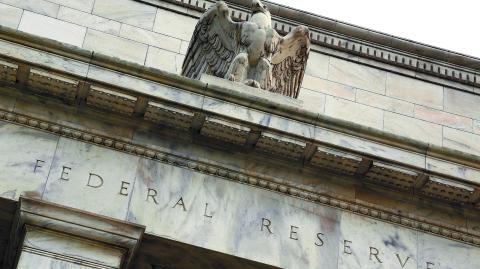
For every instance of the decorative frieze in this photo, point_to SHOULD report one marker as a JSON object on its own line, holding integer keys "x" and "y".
{"x": 390, "y": 175}
{"x": 253, "y": 179}
{"x": 169, "y": 115}
{"x": 8, "y": 71}
{"x": 225, "y": 130}
{"x": 446, "y": 189}
{"x": 281, "y": 145}
{"x": 111, "y": 100}
{"x": 52, "y": 84}
{"x": 340, "y": 162}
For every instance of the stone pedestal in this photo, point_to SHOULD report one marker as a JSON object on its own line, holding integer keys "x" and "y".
{"x": 52, "y": 236}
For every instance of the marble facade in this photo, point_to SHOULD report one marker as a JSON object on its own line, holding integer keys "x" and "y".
{"x": 110, "y": 159}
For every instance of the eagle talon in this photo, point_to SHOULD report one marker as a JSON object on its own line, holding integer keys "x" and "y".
{"x": 252, "y": 83}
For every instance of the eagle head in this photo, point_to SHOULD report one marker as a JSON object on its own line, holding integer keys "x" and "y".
{"x": 258, "y": 6}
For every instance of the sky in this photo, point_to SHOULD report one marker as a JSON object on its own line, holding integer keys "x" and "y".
{"x": 453, "y": 25}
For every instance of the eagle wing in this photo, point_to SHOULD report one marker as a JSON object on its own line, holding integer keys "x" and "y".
{"x": 289, "y": 61}
{"x": 214, "y": 44}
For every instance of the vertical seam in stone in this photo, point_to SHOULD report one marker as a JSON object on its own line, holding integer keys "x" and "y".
{"x": 50, "y": 169}
{"x": 127, "y": 212}
{"x": 21, "y": 17}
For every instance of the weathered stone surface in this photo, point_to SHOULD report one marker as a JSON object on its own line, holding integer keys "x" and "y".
{"x": 174, "y": 25}
{"x": 312, "y": 100}
{"x": 317, "y": 65}
{"x": 44, "y": 26}
{"x": 150, "y": 38}
{"x": 476, "y": 126}
{"x": 115, "y": 46}
{"x": 26, "y": 156}
{"x": 462, "y": 141}
{"x": 126, "y": 11}
{"x": 384, "y": 102}
{"x": 356, "y": 75}
{"x": 443, "y": 118}
{"x": 462, "y": 103}
{"x": 329, "y": 87}
{"x": 413, "y": 128}
{"x": 38, "y": 6}
{"x": 10, "y": 16}
{"x": 92, "y": 176}
{"x": 453, "y": 169}
{"x": 354, "y": 112}
{"x": 89, "y": 20}
{"x": 414, "y": 91}
{"x": 43, "y": 58}
{"x": 163, "y": 59}
{"x": 82, "y": 5}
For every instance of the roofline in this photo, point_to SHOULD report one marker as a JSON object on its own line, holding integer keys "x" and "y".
{"x": 369, "y": 35}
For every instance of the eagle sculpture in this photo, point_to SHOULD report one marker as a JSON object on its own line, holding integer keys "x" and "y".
{"x": 249, "y": 52}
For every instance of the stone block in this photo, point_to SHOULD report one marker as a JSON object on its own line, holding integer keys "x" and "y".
{"x": 89, "y": 20}
{"x": 476, "y": 126}
{"x": 38, "y": 6}
{"x": 392, "y": 244}
{"x": 443, "y": 118}
{"x": 10, "y": 16}
{"x": 146, "y": 87}
{"x": 357, "y": 75}
{"x": 184, "y": 47}
{"x": 328, "y": 87}
{"x": 162, "y": 59}
{"x": 82, "y": 5}
{"x": 312, "y": 100}
{"x": 438, "y": 252}
{"x": 81, "y": 169}
{"x": 126, "y": 11}
{"x": 115, "y": 46}
{"x": 413, "y": 128}
{"x": 384, "y": 102}
{"x": 52, "y": 28}
{"x": 150, "y": 38}
{"x": 43, "y": 58}
{"x": 354, "y": 112}
{"x": 462, "y": 141}
{"x": 25, "y": 158}
{"x": 415, "y": 91}
{"x": 173, "y": 24}
{"x": 453, "y": 169}
{"x": 317, "y": 65}
{"x": 462, "y": 103}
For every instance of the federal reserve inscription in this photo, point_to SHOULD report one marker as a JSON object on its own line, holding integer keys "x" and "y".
{"x": 323, "y": 240}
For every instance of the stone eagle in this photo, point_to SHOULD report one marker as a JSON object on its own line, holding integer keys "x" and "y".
{"x": 249, "y": 52}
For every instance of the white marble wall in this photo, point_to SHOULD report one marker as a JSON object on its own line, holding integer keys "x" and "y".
{"x": 172, "y": 202}
{"x": 341, "y": 88}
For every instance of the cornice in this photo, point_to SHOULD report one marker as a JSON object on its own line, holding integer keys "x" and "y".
{"x": 355, "y": 40}
{"x": 140, "y": 93}
{"x": 242, "y": 177}
{"x": 196, "y": 86}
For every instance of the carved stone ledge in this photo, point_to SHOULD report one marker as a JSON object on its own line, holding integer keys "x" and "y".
{"x": 281, "y": 145}
{"x": 56, "y": 234}
{"x": 246, "y": 177}
{"x": 8, "y": 71}
{"x": 335, "y": 160}
{"x": 169, "y": 115}
{"x": 52, "y": 84}
{"x": 392, "y": 176}
{"x": 225, "y": 130}
{"x": 448, "y": 190}
{"x": 111, "y": 100}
